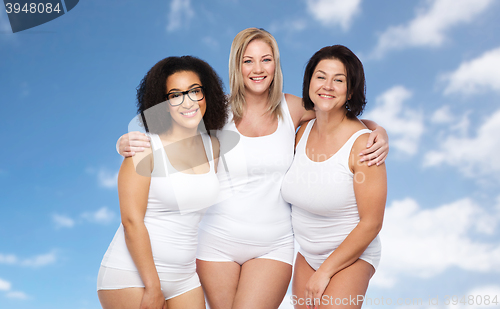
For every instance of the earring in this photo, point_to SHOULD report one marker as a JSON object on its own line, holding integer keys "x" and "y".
{"x": 347, "y": 106}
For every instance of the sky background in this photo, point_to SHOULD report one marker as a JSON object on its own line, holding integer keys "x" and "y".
{"x": 67, "y": 92}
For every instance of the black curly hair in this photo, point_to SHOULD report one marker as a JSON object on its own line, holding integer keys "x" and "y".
{"x": 151, "y": 92}
{"x": 355, "y": 77}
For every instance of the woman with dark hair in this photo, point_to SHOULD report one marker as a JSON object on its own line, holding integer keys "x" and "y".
{"x": 165, "y": 190}
{"x": 245, "y": 250}
{"x": 337, "y": 202}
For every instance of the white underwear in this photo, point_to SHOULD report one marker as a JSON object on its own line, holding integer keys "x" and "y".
{"x": 172, "y": 285}
{"x": 217, "y": 249}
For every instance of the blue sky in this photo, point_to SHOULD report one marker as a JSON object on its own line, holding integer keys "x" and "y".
{"x": 68, "y": 92}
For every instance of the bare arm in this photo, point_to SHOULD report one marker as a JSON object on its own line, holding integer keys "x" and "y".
{"x": 370, "y": 197}
{"x": 297, "y": 111}
{"x": 133, "y": 190}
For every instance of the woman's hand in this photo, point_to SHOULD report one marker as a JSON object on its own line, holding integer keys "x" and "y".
{"x": 153, "y": 299}
{"x": 377, "y": 147}
{"x": 315, "y": 288}
{"x": 130, "y": 143}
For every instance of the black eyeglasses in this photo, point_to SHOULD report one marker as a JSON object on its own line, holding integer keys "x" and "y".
{"x": 176, "y": 98}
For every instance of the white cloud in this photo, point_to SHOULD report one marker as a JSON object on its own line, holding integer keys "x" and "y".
{"x": 180, "y": 14}
{"x": 62, "y": 221}
{"x": 40, "y": 260}
{"x": 17, "y": 295}
{"x": 8, "y": 259}
{"x": 211, "y": 42}
{"x": 334, "y": 12}
{"x": 288, "y": 25}
{"x": 4, "y": 285}
{"x": 107, "y": 179}
{"x": 473, "y": 156}
{"x": 429, "y": 27}
{"x": 403, "y": 124}
{"x": 475, "y": 76}
{"x": 442, "y": 115}
{"x": 101, "y": 216}
{"x": 36, "y": 261}
{"x": 425, "y": 242}
{"x": 462, "y": 125}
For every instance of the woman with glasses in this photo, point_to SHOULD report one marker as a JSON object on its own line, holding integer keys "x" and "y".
{"x": 245, "y": 252}
{"x": 165, "y": 190}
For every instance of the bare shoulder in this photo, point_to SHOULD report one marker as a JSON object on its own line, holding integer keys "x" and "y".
{"x": 296, "y": 108}
{"x": 298, "y": 111}
{"x": 143, "y": 162}
{"x": 360, "y": 143}
{"x": 293, "y": 100}
{"x": 358, "y": 146}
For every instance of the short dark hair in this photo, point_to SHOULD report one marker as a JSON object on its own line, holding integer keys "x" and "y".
{"x": 355, "y": 77}
{"x": 152, "y": 89}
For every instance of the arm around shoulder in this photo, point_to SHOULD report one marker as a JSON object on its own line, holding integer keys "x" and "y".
{"x": 130, "y": 143}
{"x": 297, "y": 111}
{"x": 377, "y": 145}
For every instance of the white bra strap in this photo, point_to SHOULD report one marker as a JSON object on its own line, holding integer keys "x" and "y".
{"x": 301, "y": 146}
{"x": 155, "y": 141}
{"x": 207, "y": 144}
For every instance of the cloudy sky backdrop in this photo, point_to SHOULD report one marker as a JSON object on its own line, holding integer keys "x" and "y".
{"x": 433, "y": 81}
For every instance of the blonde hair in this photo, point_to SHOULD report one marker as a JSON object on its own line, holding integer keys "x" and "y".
{"x": 237, "y": 87}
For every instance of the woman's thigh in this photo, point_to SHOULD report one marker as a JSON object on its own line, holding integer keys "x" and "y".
{"x": 219, "y": 281}
{"x": 193, "y": 299}
{"x": 262, "y": 284}
{"x": 301, "y": 274}
{"x": 128, "y": 298}
{"x": 346, "y": 288}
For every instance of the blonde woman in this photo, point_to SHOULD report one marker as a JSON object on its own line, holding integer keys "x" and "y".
{"x": 245, "y": 250}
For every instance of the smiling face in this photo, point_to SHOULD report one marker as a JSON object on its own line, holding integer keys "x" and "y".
{"x": 258, "y": 67}
{"x": 189, "y": 113}
{"x": 328, "y": 86}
